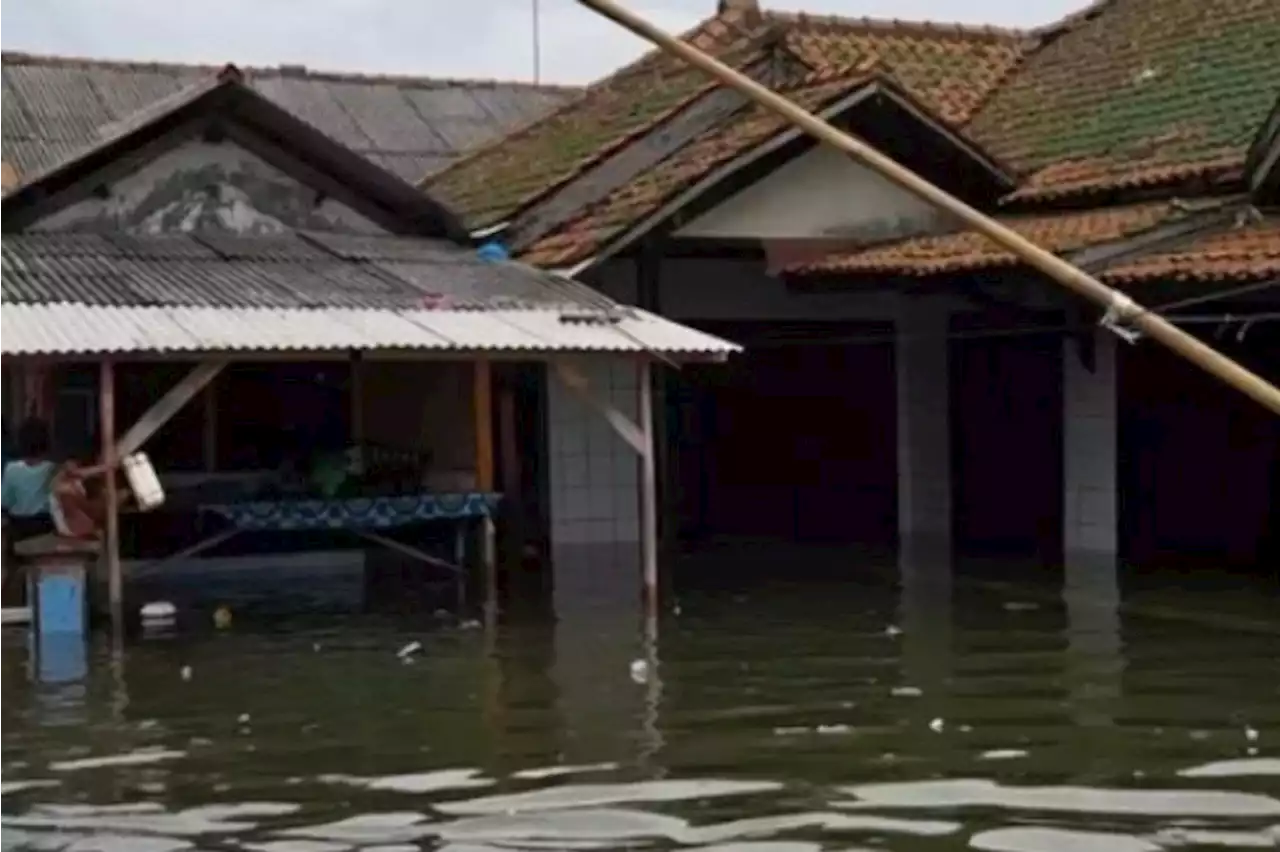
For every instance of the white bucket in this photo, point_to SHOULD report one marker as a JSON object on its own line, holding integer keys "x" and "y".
{"x": 143, "y": 482}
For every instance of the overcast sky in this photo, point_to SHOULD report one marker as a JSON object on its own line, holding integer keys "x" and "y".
{"x": 454, "y": 38}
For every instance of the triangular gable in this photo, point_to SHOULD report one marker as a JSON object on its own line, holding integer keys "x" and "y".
{"x": 225, "y": 108}
{"x": 718, "y": 166}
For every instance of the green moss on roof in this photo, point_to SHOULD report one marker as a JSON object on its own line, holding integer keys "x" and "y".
{"x": 1139, "y": 85}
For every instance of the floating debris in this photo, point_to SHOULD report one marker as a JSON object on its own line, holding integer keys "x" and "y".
{"x": 639, "y": 671}
{"x": 185, "y": 672}
{"x": 409, "y": 650}
{"x": 906, "y": 692}
{"x": 937, "y": 725}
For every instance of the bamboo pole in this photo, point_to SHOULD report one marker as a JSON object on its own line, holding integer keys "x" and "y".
{"x": 1121, "y": 310}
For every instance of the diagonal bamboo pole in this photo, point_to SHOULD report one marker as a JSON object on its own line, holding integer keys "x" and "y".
{"x": 1120, "y": 309}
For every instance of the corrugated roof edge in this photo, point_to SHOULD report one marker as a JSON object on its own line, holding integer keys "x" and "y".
{"x": 19, "y": 57}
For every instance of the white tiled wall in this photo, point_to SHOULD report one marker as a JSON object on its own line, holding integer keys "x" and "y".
{"x": 1089, "y": 448}
{"x": 593, "y": 473}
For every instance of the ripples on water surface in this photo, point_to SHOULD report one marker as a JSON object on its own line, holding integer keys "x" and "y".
{"x": 765, "y": 718}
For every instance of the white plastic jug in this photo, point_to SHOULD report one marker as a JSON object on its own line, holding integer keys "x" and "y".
{"x": 146, "y": 487}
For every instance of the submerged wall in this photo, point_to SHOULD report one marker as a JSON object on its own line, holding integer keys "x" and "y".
{"x": 593, "y": 473}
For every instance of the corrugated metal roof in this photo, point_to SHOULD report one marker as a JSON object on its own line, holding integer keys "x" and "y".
{"x": 298, "y": 270}
{"x": 78, "y": 329}
{"x": 54, "y": 106}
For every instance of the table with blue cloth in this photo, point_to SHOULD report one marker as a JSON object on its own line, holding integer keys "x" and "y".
{"x": 367, "y": 518}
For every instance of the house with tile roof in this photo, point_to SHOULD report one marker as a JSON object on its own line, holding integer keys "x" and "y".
{"x": 930, "y": 385}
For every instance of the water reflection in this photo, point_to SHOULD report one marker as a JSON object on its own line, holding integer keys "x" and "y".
{"x": 1095, "y": 665}
{"x": 886, "y": 707}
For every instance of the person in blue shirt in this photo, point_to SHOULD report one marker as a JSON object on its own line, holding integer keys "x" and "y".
{"x": 27, "y": 483}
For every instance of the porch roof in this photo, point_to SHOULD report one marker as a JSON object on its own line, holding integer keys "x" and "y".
{"x": 1250, "y": 253}
{"x": 969, "y": 251}
{"x": 78, "y": 293}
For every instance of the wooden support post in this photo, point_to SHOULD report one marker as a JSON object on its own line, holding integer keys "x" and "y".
{"x": 357, "y": 399}
{"x": 110, "y": 458}
{"x": 648, "y": 489}
{"x": 649, "y": 293}
{"x": 509, "y": 463}
{"x": 483, "y": 405}
{"x": 210, "y": 444}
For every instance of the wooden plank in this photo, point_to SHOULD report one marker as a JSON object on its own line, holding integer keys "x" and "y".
{"x": 619, "y": 169}
{"x": 167, "y": 406}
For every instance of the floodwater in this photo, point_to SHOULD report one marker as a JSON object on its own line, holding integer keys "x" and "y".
{"x": 844, "y": 711}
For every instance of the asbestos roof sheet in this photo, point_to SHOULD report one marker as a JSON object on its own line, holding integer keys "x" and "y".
{"x": 79, "y": 329}
{"x": 411, "y": 125}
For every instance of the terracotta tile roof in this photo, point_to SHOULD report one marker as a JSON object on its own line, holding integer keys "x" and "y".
{"x": 966, "y": 251}
{"x": 1137, "y": 93}
{"x": 625, "y": 207}
{"x": 949, "y": 69}
{"x": 512, "y": 172}
{"x": 56, "y": 105}
{"x": 1250, "y": 253}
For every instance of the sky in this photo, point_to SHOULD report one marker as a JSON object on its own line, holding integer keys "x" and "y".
{"x": 444, "y": 38}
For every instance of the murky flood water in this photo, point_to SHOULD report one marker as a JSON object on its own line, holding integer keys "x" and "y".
{"x": 762, "y": 717}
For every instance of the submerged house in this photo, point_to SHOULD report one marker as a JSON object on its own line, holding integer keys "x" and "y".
{"x": 301, "y": 340}
{"x": 902, "y": 379}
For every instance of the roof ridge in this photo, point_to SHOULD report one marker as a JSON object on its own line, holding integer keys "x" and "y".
{"x": 20, "y": 57}
{"x": 730, "y": 20}
{"x": 754, "y": 44}
{"x": 919, "y": 27}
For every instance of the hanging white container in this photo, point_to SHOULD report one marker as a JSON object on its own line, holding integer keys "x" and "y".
{"x": 143, "y": 482}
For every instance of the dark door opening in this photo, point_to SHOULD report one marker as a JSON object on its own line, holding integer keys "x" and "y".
{"x": 791, "y": 441}
{"x": 1199, "y": 474}
{"x": 1006, "y": 428}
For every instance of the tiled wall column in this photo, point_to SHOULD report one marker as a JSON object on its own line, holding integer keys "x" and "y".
{"x": 924, "y": 423}
{"x": 593, "y": 473}
{"x": 1089, "y": 448}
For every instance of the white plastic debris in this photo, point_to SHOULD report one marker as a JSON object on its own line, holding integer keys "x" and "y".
{"x": 243, "y": 719}
{"x": 906, "y": 692}
{"x": 937, "y": 725}
{"x": 409, "y": 650}
{"x": 1251, "y": 733}
{"x": 639, "y": 671}
{"x": 893, "y": 630}
{"x": 185, "y": 672}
